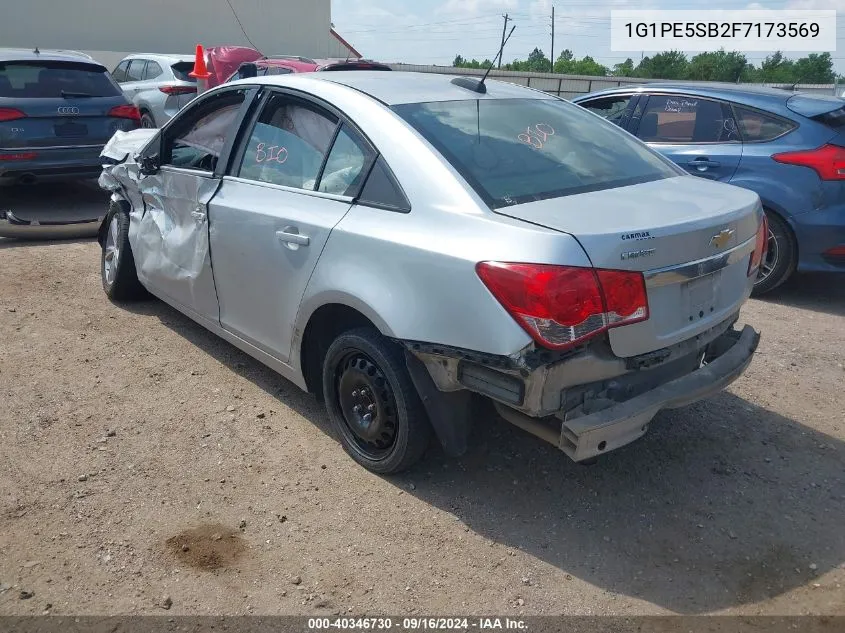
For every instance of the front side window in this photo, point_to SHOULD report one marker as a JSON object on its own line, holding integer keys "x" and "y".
{"x": 288, "y": 144}
{"x": 686, "y": 119}
{"x": 119, "y": 73}
{"x": 611, "y": 108}
{"x": 197, "y": 137}
{"x": 520, "y": 150}
{"x": 757, "y": 126}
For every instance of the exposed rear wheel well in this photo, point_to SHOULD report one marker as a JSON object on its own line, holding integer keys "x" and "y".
{"x": 324, "y": 326}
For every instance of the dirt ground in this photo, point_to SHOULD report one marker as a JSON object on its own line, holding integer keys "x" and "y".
{"x": 147, "y": 465}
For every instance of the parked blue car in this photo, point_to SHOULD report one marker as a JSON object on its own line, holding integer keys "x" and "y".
{"x": 787, "y": 147}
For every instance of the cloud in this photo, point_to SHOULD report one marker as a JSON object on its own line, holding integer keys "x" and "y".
{"x": 473, "y": 8}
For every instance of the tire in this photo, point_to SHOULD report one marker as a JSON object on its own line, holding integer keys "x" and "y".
{"x": 147, "y": 120}
{"x": 781, "y": 259}
{"x": 357, "y": 365}
{"x": 117, "y": 264}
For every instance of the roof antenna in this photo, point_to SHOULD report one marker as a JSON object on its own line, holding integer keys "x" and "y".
{"x": 471, "y": 83}
{"x": 36, "y": 51}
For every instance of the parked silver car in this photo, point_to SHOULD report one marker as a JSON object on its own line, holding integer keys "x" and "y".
{"x": 160, "y": 85}
{"x": 399, "y": 243}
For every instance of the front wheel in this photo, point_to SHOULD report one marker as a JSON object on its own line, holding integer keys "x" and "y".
{"x": 373, "y": 403}
{"x": 147, "y": 120}
{"x": 117, "y": 264}
{"x": 781, "y": 257}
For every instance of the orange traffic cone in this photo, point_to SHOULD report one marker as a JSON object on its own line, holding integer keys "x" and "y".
{"x": 200, "y": 70}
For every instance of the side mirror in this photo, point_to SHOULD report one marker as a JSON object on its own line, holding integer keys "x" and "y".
{"x": 150, "y": 164}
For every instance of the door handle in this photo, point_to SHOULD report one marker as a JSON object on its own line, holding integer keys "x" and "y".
{"x": 703, "y": 164}
{"x": 292, "y": 239}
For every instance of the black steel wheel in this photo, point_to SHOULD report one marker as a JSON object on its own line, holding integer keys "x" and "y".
{"x": 373, "y": 403}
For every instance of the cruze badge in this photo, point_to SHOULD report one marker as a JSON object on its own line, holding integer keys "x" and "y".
{"x": 721, "y": 239}
{"x": 648, "y": 252}
{"x": 68, "y": 110}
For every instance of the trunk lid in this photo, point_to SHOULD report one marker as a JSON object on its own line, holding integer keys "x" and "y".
{"x": 63, "y": 122}
{"x": 689, "y": 236}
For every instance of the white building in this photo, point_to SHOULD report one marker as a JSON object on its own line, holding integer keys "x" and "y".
{"x": 108, "y": 29}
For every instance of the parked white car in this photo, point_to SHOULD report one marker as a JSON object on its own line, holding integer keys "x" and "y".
{"x": 160, "y": 85}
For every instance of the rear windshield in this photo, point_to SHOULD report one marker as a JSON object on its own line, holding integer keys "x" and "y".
{"x": 835, "y": 119}
{"x": 513, "y": 151}
{"x": 181, "y": 70}
{"x": 54, "y": 80}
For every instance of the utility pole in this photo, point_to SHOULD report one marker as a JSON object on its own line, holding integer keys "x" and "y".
{"x": 504, "y": 29}
{"x": 553, "y": 38}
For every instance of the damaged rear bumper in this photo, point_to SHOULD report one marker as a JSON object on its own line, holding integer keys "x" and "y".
{"x": 587, "y": 435}
{"x": 587, "y": 403}
{"x": 15, "y": 227}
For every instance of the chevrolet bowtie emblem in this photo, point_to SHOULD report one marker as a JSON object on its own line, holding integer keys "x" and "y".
{"x": 721, "y": 239}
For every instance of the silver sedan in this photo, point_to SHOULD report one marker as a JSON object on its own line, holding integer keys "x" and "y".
{"x": 400, "y": 244}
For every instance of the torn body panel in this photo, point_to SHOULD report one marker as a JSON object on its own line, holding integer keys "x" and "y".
{"x": 168, "y": 227}
{"x": 571, "y": 392}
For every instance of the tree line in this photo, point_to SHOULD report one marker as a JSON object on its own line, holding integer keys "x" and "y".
{"x": 816, "y": 68}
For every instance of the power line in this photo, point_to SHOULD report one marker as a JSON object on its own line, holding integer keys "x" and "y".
{"x": 243, "y": 30}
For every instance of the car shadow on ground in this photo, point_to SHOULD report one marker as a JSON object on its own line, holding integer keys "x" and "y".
{"x": 819, "y": 292}
{"x": 11, "y": 242}
{"x": 721, "y": 504}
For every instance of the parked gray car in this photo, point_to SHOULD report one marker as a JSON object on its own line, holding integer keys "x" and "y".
{"x": 160, "y": 85}
{"x": 399, "y": 244}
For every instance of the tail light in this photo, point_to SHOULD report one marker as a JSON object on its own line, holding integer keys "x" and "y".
{"x": 178, "y": 90}
{"x": 761, "y": 246}
{"x": 828, "y": 161}
{"x": 125, "y": 112}
{"x": 10, "y": 114}
{"x": 561, "y": 306}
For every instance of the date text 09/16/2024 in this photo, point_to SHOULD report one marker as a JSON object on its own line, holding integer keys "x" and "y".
{"x": 417, "y": 624}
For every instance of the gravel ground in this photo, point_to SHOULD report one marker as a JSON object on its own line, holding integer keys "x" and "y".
{"x": 148, "y": 467}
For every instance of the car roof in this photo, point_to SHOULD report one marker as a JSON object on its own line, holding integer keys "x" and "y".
{"x": 739, "y": 93}
{"x": 169, "y": 59}
{"x": 25, "y": 55}
{"x": 398, "y": 87}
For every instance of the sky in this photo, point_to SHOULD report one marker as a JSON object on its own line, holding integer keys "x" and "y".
{"x": 434, "y": 31}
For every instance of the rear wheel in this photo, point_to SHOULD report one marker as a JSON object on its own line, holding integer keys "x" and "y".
{"x": 117, "y": 264}
{"x": 147, "y": 120}
{"x": 373, "y": 403}
{"x": 781, "y": 257}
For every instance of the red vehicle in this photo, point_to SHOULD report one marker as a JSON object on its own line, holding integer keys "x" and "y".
{"x": 290, "y": 64}
{"x": 227, "y": 63}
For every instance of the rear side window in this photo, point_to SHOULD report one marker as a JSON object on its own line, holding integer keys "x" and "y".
{"x": 153, "y": 70}
{"x": 347, "y": 164}
{"x": 834, "y": 120}
{"x": 136, "y": 70}
{"x": 686, "y": 119}
{"x": 54, "y": 80}
{"x": 757, "y": 126}
{"x": 181, "y": 71}
{"x": 288, "y": 144}
{"x": 520, "y": 150}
